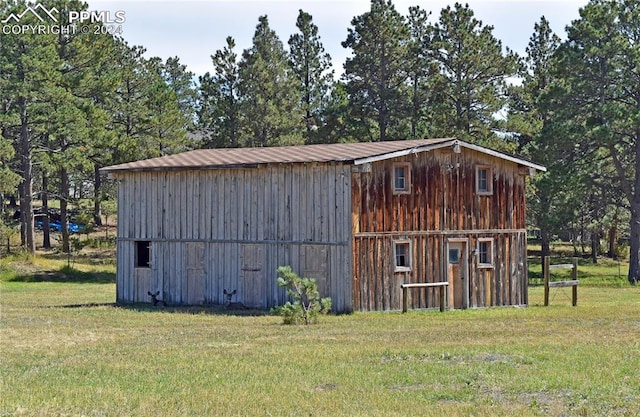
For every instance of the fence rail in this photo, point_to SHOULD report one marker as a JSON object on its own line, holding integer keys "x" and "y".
{"x": 573, "y": 283}
{"x": 405, "y": 296}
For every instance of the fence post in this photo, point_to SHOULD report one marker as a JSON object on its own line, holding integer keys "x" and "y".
{"x": 545, "y": 274}
{"x": 405, "y": 299}
{"x": 574, "y": 276}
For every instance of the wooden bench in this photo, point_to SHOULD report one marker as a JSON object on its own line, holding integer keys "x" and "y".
{"x": 405, "y": 296}
{"x": 571, "y": 283}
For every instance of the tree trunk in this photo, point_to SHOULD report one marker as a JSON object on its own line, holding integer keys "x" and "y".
{"x": 26, "y": 198}
{"x": 595, "y": 245}
{"x": 64, "y": 198}
{"x": 634, "y": 238}
{"x": 46, "y": 240}
{"x": 546, "y": 249}
{"x": 97, "y": 196}
{"x": 634, "y": 241}
{"x": 613, "y": 233}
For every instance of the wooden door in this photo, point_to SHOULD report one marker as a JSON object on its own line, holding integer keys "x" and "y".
{"x": 314, "y": 261}
{"x": 458, "y": 267}
{"x": 254, "y": 288}
{"x": 194, "y": 293}
{"x": 142, "y": 279}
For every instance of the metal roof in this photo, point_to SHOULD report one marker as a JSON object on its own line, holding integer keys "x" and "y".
{"x": 354, "y": 153}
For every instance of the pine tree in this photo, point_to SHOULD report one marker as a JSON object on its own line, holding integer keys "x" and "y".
{"x": 599, "y": 101}
{"x": 470, "y": 87}
{"x": 270, "y": 97}
{"x": 312, "y": 67}
{"x": 219, "y": 105}
{"x": 549, "y": 203}
{"x": 29, "y": 64}
{"x": 421, "y": 68}
{"x": 377, "y": 73}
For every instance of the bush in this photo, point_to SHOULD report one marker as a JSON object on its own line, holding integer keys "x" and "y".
{"x": 307, "y": 304}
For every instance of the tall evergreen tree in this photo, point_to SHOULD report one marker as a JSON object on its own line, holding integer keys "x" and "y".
{"x": 219, "y": 105}
{"x": 312, "y": 67}
{"x": 269, "y": 91}
{"x": 471, "y": 85}
{"x": 29, "y": 77}
{"x": 421, "y": 66}
{"x": 377, "y": 73}
{"x": 550, "y": 206}
{"x": 180, "y": 81}
{"x": 167, "y": 121}
{"x": 600, "y": 99}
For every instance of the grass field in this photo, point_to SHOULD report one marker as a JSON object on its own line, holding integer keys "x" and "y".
{"x": 66, "y": 349}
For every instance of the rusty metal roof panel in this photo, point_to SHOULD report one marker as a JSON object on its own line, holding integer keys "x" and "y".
{"x": 352, "y": 153}
{"x": 245, "y": 157}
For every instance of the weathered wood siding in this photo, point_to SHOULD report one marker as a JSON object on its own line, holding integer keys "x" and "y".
{"x": 443, "y": 204}
{"x": 231, "y": 229}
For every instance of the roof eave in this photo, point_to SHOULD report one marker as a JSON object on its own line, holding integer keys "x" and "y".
{"x": 404, "y": 152}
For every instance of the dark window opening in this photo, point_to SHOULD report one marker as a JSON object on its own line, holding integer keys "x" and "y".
{"x": 402, "y": 256}
{"x": 143, "y": 254}
{"x": 484, "y": 252}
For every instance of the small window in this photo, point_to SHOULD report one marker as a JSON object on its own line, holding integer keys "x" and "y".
{"x": 402, "y": 252}
{"x": 484, "y": 180}
{"x": 485, "y": 252}
{"x": 454, "y": 256}
{"x": 143, "y": 254}
{"x": 401, "y": 178}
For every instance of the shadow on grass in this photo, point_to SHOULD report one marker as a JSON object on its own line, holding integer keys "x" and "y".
{"x": 217, "y": 310}
{"x": 68, "y": 275}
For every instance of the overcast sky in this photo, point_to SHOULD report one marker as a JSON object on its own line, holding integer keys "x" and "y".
{"x": 194, "y": 30}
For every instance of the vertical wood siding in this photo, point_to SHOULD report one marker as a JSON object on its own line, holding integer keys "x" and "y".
{"x": 212, "y": 230}
{"x": 443, "y": 204}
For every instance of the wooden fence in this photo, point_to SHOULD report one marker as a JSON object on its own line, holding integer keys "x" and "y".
{"x": 405, "y": 296}
{"x": 573, "y": 283}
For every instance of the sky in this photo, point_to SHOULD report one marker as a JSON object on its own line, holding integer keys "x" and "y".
{"x": 195, "y": 30}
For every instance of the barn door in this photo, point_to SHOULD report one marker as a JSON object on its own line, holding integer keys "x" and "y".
{"x": 142, "y": 279}
{"x": 194, "y": 293}
{"x": 253, "y": 291}
{"x": 314, "y": 265}
{"x": 458, "y": 267}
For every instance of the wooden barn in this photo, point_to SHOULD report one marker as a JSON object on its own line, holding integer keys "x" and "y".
{"x": 360, "y": 218}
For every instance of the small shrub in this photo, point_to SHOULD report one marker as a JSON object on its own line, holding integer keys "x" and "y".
{"x": 307, "y": 304}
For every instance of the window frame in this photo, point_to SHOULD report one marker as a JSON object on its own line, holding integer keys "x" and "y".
{"x": 143, "y": 253}
{"x": 406, "y": 243}
{"x": 489, "y": 180}
{"x": 407, "y": 178}
{"x": 488, "y": 261}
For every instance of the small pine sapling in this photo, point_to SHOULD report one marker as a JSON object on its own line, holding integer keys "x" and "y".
{"x": 307, "y": 304}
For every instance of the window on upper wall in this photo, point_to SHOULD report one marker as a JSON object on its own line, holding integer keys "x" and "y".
{"x": 401, "y": 178}
{"x": 485, "y": 252}
{"x": 402, "y": 254}
{"x": 484, "y": 180}
{"x": 143, "y": 254}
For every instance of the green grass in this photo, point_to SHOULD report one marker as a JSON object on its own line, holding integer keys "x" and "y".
{"x": 66, "y": 349}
